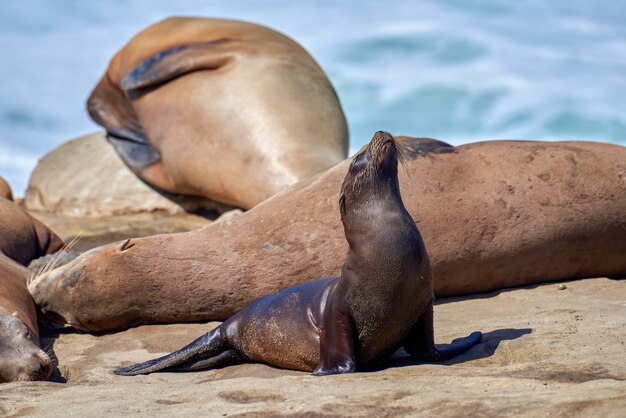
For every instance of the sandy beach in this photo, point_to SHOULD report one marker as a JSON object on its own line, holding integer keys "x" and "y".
{"x": 545, "y": 352}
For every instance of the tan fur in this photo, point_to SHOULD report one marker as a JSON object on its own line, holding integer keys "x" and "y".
{"x": 264, "y": 118}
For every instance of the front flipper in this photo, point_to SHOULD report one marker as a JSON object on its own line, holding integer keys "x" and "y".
{"x": 337, "y": 338}
{"x": 175, "y": 62}
{"x": 110, "y": 108}
{"x": 421, "y": 341}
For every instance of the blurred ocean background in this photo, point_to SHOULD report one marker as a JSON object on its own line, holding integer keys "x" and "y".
{"x": 456, "y": 70}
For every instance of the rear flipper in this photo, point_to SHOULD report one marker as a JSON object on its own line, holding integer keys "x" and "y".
{"x": 227, "y": 358}
{"x": 210, "y": 350}
{"x": 110, "y": 108}
{"x": 421, "y": 342}
{"x": 175, "y": 62}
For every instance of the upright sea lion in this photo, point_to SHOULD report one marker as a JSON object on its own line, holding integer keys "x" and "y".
{"x": 226, "y": 110}
{"x": 382, "y": 300}
{"x": 492, "y": 215}
{"x": 22, "y": 239}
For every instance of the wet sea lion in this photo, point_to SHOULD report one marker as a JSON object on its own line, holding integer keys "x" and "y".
{"x": 22, "y": 239}
{"x": 382, "y": 300}
{"x": 226, "y": 110}
{"x": 492, "y": 214}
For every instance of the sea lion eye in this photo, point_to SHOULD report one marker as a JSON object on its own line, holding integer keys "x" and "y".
{"x": 357, "y": 161}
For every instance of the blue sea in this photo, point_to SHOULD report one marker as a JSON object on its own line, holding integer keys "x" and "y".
{"x": 456, "y": 70}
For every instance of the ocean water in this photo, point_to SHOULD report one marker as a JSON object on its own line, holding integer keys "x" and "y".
{"x": 456, "y": 70}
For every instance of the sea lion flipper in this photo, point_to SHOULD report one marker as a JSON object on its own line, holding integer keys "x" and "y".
{"x": 110, "y": 108}
{"x": 174, "y": 62}
{"x": 210, "y": 346}
{"x": 421, "y": 341}
{"x": 336, "y": 340}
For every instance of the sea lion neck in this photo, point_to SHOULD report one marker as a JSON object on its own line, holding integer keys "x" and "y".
{"x": 376, "y": 223}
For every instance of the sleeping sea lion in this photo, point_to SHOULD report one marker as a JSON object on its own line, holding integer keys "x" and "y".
{"x": 22, "y": 239}
{"x": 20, "y": 355}
{"x": 492, "y": 214}
{"x": 229, "y": 111}
{"x": 382, "y": 300}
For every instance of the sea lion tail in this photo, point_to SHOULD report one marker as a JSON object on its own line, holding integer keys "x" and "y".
{"x": 207, "y": 351}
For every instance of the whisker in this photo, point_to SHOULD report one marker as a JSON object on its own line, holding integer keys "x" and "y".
{"x": 56, "y": 258}
{"x": 50, "y": 353}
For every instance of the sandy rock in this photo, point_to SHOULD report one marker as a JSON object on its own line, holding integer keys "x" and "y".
{"x": 545, "y": 352}
{"x": 85, "y": 177}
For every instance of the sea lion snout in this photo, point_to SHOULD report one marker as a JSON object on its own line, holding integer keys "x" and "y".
{"x": 38, "y": 367}
{"x": 381, "y": 138}
{"x": 21, "y": 359}
{"x": 383, "y": 150}
{"x": 43, "y": 367}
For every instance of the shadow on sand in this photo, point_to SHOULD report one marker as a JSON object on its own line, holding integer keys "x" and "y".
{"x": 485, "y": 348}
{"x": 48, "y": 335}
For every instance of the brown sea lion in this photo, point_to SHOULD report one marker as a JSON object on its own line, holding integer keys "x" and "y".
{"x": 226, "y": 110}
{"x": 20, "y": 355}
{"x": 382, "y": 300}
{"x": 5, "y": 190}
{"x": 22, "y": 239}
{"x": 492, "y": 214}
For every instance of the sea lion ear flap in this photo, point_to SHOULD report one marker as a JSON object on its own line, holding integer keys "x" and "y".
{"x": 342, "y": 204}
{"x": 123, "y": 246}
{"x": 175, "y": 62}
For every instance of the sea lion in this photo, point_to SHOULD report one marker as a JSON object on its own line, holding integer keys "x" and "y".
{"x": 22, "y": 239}
{"x": 382, "y": 300}
{"x": 20, "y": 355}
{"x": 229, "y": 111}
{"x": 5, "y": 190}
{"x": 492, "y": 214}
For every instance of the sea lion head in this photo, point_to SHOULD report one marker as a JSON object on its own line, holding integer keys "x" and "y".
{"x": 69, "y": 272}
{"x": 373, "y": 171}
{"x": 21, "y": 359}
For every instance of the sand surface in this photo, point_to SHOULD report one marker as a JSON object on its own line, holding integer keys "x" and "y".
{"x": 545, "y": 352}
{"x": 556, "y": 349}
